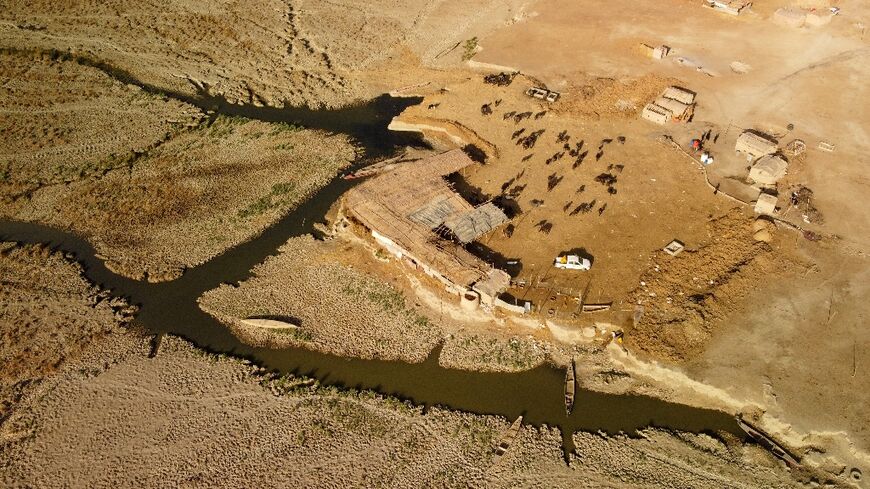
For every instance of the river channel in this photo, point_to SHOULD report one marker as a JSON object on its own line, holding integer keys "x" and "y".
{"x": 171, "y": 307}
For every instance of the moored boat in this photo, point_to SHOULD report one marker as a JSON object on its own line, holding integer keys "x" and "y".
{"x": 570, "y": 388}
{"x": 508, "y": 439}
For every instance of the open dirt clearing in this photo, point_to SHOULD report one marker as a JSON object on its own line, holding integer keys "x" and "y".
{"x": 794, "y": 343}
{"x": 600, "y": 183}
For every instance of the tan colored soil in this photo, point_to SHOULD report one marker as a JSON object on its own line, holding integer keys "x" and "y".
{"x": 659, "y": 194}
{"x": 267, "y": 52}
{"x": 788, "y": 342}
{"x": 349, "y": 302}
{"x": 684, "y": 297}
{"x": 785, "y": 333}
{"x": 60, "y": 125}
{"x": 339, "y": 309}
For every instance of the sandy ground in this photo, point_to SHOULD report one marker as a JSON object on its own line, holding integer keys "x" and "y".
{"x": 655, "y": 195}
{"x": 793, "y": 343}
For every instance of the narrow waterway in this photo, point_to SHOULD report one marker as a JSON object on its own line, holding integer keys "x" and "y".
{"x": 171, "y": 307}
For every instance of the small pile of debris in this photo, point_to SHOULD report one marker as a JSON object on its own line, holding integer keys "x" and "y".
{"x": 731, "y": 7}
{"x": 502, "y": 79}
{"x": 802, "y": 200}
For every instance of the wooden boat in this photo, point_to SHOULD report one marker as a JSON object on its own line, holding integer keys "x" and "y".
{"x": 508, "y": 439}
{"x": 570, "y": 388}
{"x": 376, "y": 168}
{"x": 767, "y": 442}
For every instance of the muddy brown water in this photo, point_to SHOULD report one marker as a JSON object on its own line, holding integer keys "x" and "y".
{"x": 171, "y": 307}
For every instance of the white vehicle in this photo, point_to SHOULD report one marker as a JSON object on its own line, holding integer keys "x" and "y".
{"x": 572, "y": 262}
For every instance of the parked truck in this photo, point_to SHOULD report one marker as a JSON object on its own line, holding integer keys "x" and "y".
{"x": 572, "y": 262}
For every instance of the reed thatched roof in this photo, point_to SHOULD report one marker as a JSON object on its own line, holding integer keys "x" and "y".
{"x": 407, "y": 203}
{"x": 472, "y": 224}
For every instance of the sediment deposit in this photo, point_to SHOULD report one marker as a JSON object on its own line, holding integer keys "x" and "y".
{"x": 339, "y": 309}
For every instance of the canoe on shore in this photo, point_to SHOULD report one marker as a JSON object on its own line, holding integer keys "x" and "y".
{"x": 570, "y": 388}
{"x": 508, "y": 439}
{"x": 268, "y": 323}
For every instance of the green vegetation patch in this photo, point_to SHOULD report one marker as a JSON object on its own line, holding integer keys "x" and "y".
{"x": 469, "y": 49}
{"x": 278, "y": 197}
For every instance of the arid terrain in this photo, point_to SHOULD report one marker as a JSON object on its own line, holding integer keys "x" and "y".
{"x": 171, "y": 190}
{"x": 135, "y": 126}
{"x": 96, "y": 409}
{"x": 49, "y": 314}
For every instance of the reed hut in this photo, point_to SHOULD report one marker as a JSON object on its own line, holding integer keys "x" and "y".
{"x": 754, "y": 145}
{"x": 413, "y": 212}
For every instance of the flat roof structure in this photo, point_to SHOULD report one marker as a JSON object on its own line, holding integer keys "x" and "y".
{"x": 766, "y": 204}
{"x": 676, "y": 107}
{"x": 468, "y": 226}
{"x": 679, "y": 94}
{"x": 754, "y": 144}
{"x": 768, "y": 170}
{"x": 654, "y": 113}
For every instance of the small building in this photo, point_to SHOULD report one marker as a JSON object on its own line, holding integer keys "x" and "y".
{"x": 819, "y": 17}
{"x": 768, "y": 170}
{"x": 754, "y": 145}
{"x": 654, "y": 113}
{"x": 675, "y": 104}
{"x": 470, "y": 225}
{"x": 790, "y": 16}
{"x": 660, "y": 52}
{"x": 679, "y": 111}
{"x": 765, "y": 204}
{"x": 679, "y": 94}
{"x": 411, "y": 208}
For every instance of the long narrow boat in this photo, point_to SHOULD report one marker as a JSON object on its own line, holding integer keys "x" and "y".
{"x": 570, "y": 388}
{"x": 376, "y": 168}
{"x": 767, "y": 442}
{"x": 508, "y": 439}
